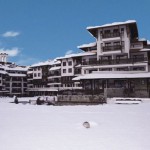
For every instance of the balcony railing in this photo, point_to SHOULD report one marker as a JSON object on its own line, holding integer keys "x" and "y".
{"x": 77, "y": 71}
{"x": 55, "y": 74}
{"x": 115, "y": 61}
{"x": 112, "y": 48}
{"x": 54, "y": 81}
{"x": 111, "y": 35}
{"x": 136, "y": 45}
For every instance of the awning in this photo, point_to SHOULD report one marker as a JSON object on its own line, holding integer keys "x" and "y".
{"x": 113, "y": 76}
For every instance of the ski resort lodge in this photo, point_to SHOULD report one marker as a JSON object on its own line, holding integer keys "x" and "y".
{"x": 115, "y": 64}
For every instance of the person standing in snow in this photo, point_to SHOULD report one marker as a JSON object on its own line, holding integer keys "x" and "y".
{"x": 15, "y": 100}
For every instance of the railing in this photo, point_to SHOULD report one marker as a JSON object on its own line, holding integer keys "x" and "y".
{"x": 136, "y": 45}
{"x": 110, "y": 35}
{"x": 112, "y": 48}
{"x": 54, "y": 81}
{"x": 147, "y": 46}
{"x": 77, "y": 71}
{"x": 115, "y": 61}
{"x": 54, "y": 74}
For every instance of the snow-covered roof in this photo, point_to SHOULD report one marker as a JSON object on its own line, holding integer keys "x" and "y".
{"x": 48, "y": 62}
{"x": 142, "y": 39}
{"x": 76, "y": 55}
{"x": 145, "y": 49}
{"x": 16, "y": 75}
{"x": 113, "y": 76}
{"x": 55, "y": 68}
{"x": 87, "y": 45}
{"x": 42, "y": 89}
{"x": 112, "y": 24}
{"x": 41, "y": 63}
{"x": 3, "y": 72}
{"x": 16, "y": 68}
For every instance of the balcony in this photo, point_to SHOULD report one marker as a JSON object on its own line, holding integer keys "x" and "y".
{"x": 112, "y": 48}
{"x": 110, "y": 35}
{"x": 77, "y": 71}
{"x": 55, "y": 74}
{"x": 136, "y": 45}
{"x": 116, "y": 61}
{"x": 54, "y": 81}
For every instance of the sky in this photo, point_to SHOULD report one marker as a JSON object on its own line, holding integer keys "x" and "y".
{"x": 37, "y": 30}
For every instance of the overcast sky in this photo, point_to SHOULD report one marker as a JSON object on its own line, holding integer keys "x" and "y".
{"x": 37, "y": 30}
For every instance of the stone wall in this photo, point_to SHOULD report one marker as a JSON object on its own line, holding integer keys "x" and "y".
{"x": 81, "y": 98}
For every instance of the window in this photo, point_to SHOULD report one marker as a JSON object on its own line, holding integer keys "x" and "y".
{"x": 64, "y": 70}
{"x": 39, "y": 74}
{"x": 70, "y": 63}
{"x": 34, "y": 74}
{"x": 64, "y": 63}
{"x": 70, "y": 70}
{"x": 122, "y": 29}
{"x": 34, "y": 69}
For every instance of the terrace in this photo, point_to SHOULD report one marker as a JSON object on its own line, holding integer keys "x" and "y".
{"x": 115, "y": 61}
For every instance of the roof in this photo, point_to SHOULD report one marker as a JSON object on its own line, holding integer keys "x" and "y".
{"x": 145, "y": 49}
{"x": 87, "y": 45}
{"x": 42, "y": 89}
{"x": 111, "y": 24}
{"x": 76, "y": 55}
{"x": 41, "y": 64}
{"x": 55, "y": 68}
{"x": 113, "y": 76}
{"x": 45, "y": 63}
{"x": 16, "y": 75}
{"x": 17, "y": 68}
{"x": 132, "y": 24}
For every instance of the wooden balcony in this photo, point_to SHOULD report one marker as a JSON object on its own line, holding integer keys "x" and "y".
{"x": 116, "y": 61}
{"x": 77, "y": 71}
{"x": 111, "y": 35}
{"x": 55, "y": 74}
{"x": 112, "y": 48}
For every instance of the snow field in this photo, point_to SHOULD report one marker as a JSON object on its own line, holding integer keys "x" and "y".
{"x": 113, "y": 127}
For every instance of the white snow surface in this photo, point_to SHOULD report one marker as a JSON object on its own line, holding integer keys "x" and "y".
{"x": 113, "y": 127}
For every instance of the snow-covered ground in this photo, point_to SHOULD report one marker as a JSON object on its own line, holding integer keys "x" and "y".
{"x": 113, "y": 127}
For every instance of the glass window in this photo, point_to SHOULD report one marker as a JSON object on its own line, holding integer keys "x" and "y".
{"x": 64, "y": 70}
{"x": 70, "y": 70}
{"x": 70, "y": 63}
{"x": 64, "y": 63}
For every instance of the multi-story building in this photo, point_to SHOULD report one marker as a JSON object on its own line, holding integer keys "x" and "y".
{"x": 13, "y": 80}
{"x": 123, "y": 56}
{"x": 71, "y": 67}
{"x": 54, "y": 76}
{"x": 115, "y": 64}
{"x": 44, "y": 78}
{"x": 117, "y": 61}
